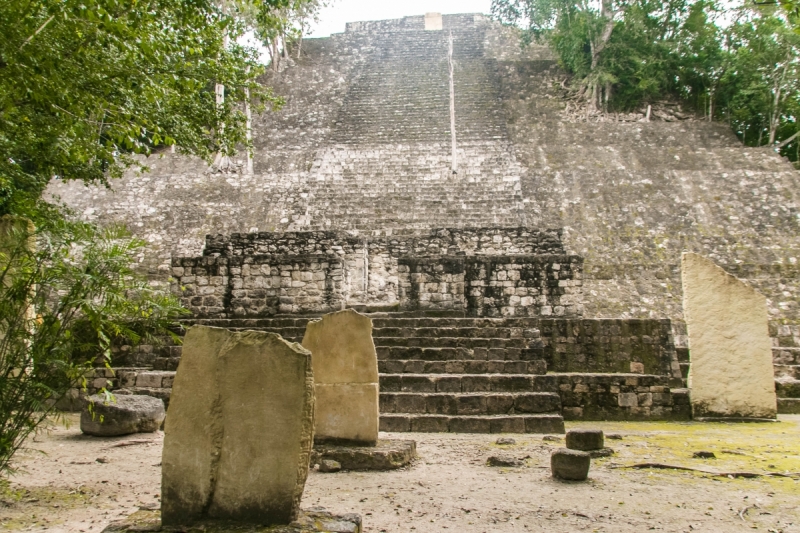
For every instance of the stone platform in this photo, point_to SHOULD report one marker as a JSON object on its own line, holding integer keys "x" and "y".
{"x": 385, "y": 455}
{"x": 315, "y": 520}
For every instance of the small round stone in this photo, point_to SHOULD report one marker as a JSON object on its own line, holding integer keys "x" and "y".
{"x": 505, "y": 441}
{"x": 121, "y": 416}
{"x": 571, "y": 465}
{"x": 585, "y": 439}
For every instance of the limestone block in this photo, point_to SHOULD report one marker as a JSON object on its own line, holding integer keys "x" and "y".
{"x": 346, "y": 376}
{"x": 731, "y": 372}
{"x": 240, "y": 429}
{"x": 433, "y": 21}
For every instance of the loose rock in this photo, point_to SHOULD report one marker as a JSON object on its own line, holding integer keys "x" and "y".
{"x": 571, "y": 465}
{"x": 328, "y": 467}
{"x": 123, "y": 415}
{"x": 704, "y": 455}
{"x": 504, "y": 461}
{"x": 505, "y": 441}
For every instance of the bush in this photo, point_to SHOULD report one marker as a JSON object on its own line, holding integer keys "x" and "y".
{"x": 67, "y": 290}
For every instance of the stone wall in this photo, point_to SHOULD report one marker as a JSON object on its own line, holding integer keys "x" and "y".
{"x": 259, "y": 285}
{"x": 466, "y": 271}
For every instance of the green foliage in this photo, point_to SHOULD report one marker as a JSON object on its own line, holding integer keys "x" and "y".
{"x": 735, "y": 64}
{"x": 85, "y": 84}
{"x": 66, "y": 291}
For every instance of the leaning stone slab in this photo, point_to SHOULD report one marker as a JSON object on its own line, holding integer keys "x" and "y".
{"x": 731, "y": 374}
{"x": 345, "y": 376}
{"x": 121, "y": 415}
{"x": 240, "y": 429}
{"x": 385, "y": 455}
{"x": 312, "y": 521}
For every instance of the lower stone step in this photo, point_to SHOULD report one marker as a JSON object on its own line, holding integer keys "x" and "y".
{"x": 787, "y": 371}
{"x": 415, "y": 366}
{"x": 786, "y": 356}
{"x": 789, "y": 406}
{"x": 405, "y": 422}
{"x": 461, "y": 383}
{"x": 787, "y": 388}
{"x": 470, "y": 404}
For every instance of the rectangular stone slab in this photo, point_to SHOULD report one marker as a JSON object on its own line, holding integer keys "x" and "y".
{"x": 731, "y": 372}
{"x": 347, "y": 411}
{"x": 239, "y": 429}
{"x": 346, "y": 377}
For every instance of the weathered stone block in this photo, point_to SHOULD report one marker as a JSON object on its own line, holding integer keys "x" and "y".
{"x": 240, "y": 429}
{"x": 346, "y": 376}
{"x": 571, "y": 465}
{"x": 731, "y": 372}
{"x": 585, "y": 439}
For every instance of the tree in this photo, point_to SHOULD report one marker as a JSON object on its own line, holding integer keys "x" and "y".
{"x": 761, "y": 84}
{"x": 87, "y": 84}
{"x": 625, "y": 54}
{"x": 66, "y": 291}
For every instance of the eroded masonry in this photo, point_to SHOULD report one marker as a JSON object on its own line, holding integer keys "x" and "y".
{"x": 540, "y": 281}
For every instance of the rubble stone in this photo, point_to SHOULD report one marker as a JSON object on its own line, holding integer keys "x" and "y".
{"x": 123, "y": 415}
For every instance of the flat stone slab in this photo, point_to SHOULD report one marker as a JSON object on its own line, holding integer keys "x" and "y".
{"x": 385, "y": 455}
{"x": 123, "y": 415}
{"x": 315, "y": 520}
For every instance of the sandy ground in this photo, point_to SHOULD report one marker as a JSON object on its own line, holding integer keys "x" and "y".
{"x": 70, "y": 482}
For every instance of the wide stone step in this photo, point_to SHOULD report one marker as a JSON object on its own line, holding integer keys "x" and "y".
{"x": 467, "y": 331}
{"x": 451, "y": 322}
{"x": 452, "y": 342}
{"x": 484, "y": 403}
{"x": 538, "y": 423}
{"x": 787, "y": 371}
{"x": 787, "y": 388}
{"x": 466, "y": 383}
{"x": 416, "y": 366}
{"x": 789, "y": 406}
{"x": 396, "y": 353}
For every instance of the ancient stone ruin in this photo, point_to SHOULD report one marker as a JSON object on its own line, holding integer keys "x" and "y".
{"x": 529, "y": 277}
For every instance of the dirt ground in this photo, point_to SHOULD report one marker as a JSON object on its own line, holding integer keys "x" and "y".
{"x": 70, "y": 482}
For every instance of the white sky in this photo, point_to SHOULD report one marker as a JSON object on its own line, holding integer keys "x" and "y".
{"x": 334, "y": 17}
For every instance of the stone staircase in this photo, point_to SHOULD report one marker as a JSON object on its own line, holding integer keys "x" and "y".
{"x": 477, "y": 375}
